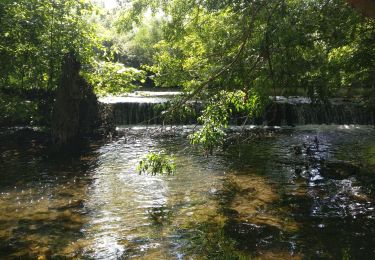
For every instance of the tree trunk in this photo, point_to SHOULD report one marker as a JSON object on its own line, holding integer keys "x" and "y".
{"x": 76, "y": 110}
{"x": 366, "y": 7}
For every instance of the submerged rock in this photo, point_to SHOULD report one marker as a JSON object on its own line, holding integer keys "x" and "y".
{"x": 339, "y": 170}
{"x": 251, "y": 236}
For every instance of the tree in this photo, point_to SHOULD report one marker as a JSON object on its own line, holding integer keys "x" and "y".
{"x": 36, "y": 35}
{"x": 234, "y": 54}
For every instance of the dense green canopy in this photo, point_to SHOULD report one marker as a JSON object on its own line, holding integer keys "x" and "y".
{"x": 35, "y": 35}
{"x": 232, "y": 54}
{"x": 316, "y": 46}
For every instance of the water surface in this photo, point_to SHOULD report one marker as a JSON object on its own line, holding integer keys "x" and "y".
{"x": 304, "y": 192}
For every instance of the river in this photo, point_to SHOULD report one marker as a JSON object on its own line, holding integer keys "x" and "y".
{"x": 301, "y": 192}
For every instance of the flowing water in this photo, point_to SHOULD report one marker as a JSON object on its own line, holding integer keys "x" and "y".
{"x": 288, "y": 193}
{"x": 147, "y": 107}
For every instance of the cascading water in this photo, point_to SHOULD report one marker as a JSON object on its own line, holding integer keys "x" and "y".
{"x": 147, "y": 108}
{"x": 137, "y": 113}
{"x": 297, "y": 111}
{"x": 281, "y": 193}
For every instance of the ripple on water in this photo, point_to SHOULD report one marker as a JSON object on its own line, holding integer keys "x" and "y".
{"x": 266, "y": 198}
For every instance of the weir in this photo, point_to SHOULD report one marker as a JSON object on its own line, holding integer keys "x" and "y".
{"x": 147, "y": 108}
{"x": 301, "y": 111}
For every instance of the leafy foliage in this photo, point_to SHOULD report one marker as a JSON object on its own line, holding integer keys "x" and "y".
{"x": 114, "y": 77}
{"x": 36, "y": 34}
{"x": 139, "y": 46}
{"x": 16, "y": 111}
{"x": 216, "y": 115}
{"x": 157, "y": 163}
{"x": 234, "y": 54}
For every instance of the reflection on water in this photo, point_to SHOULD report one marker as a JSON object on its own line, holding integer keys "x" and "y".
{"x": 305, "y": 192}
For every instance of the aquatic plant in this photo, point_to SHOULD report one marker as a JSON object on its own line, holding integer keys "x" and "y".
{"x": 157, "y": 163}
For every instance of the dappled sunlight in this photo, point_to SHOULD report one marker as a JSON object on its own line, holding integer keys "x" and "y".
{"x": 121, "y": 200}
{"x": 246, "y": 201}
{"x": 36, "y": 216}
{"x": 149, "y": 129}
{"x": 137, "y": 214}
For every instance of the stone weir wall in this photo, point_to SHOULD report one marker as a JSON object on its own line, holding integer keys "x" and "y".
{"x": 284, "y": 111}
{"x": 334, "y": 112}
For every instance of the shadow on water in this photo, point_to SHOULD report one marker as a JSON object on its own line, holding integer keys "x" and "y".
{"x": 305, "y": 192}
{"x": 42, "y": 198}
{"x": 323, "y": 178}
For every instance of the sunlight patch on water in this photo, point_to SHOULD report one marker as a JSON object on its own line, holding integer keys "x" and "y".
{"x": 280, "y": 196}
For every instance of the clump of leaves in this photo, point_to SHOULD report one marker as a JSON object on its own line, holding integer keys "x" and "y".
{"x": 215, "y": 116}
{"x": 185, "y": 113}
{"x": 214, "y": 120}
{"x": 15, "y": 110}
{"x": 208, "y": 137}
{"x": 157, "y": 163}
{"x": 114, "y": 77}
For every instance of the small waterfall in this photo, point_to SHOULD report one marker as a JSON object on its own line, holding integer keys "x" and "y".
{"x": 131, "y": 113}
{"x": 309, "y": 113}
{"x": 143, "y": 113}
{"x": 284, "y": 111}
